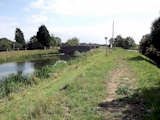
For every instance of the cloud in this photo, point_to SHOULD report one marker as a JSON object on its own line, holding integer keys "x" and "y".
{"x": 97, "y": 33}
{"x": 132, "y": 18}
{"x": 27, "y": 9}
{"x": 5, "y": 18}
{"x": 37, "y": 18}
{"x": 8, "y": 24}
{"x": 96, "y": 7}
{"x": 37, "y": 4}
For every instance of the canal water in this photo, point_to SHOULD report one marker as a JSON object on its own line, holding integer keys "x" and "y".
{"x": 29, "y": 66}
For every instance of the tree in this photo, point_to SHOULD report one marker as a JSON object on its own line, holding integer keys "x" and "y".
{"x": 150, "y": 43}
{"x": 144, "y": 43}
{"x": 34, "y": 44}
{"x": 43, "y": 36}
{"x": 155, "y": 34}
{"x": 5, "y": 44}
{"x": 119, "y": 41}
{"x": 8, "y": 44}
{"x": 52, "y": 40}
{"x": 19, "y": 37}
{"x": 125, "y": 43}
{"x": 129, "y": 42}
{"x": 72, "y": 41}
{"x": 58, "y": 41}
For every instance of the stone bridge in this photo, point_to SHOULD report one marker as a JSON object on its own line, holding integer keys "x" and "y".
{"x": 72, "y": 49}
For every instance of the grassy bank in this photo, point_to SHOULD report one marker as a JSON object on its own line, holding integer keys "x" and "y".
{"x": 25, "y": 54}
{"x": 77, "y": 90}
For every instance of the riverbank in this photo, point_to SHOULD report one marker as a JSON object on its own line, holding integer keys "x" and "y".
{"x": 9, "y": 56}
{"x": 90, "y": 87}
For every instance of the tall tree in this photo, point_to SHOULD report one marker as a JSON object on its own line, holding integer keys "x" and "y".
{"x": 155, "y": 33}
{"x": 43, "y": 36}
{"x": 144, "y": 43}
{"x": 19, "y": 37}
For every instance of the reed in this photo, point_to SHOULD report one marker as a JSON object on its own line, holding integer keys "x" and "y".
{"x": 16, "y": 82}
{"x": 13, "y": 83}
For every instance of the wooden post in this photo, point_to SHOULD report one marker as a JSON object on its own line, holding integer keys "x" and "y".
{"x": 106, "y": 46}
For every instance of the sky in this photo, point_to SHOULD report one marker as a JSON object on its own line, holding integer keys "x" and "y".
{"x": 88, "y": 20}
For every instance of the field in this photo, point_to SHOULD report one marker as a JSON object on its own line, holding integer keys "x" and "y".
{"x": 95, "y": 86}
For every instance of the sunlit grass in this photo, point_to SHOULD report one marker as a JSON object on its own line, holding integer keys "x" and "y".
{"x": 74, "y": 90}
{"x": 24, "y": 54}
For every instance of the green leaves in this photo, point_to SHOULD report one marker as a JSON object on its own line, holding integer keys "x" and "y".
{"x": 19, "y": 37}
{"x": 72, "y": 41}
{"x": 43, "y": 36}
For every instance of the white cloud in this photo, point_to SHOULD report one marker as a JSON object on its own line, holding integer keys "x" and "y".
{"x": 97, "y": 33}
{"x": 136, "y": 26}
{"x": 5, "y": 18}
{"x": 97, "y": 7}
{"x": 37, "y": 19}
{"x": 27, "y": 9}
{"x": 8, "y": 24}
{"x": 37, "y": 4}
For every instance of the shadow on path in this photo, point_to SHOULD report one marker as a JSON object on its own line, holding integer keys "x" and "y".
{"x": 144, "y": 104}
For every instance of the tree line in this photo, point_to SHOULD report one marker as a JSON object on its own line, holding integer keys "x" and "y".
{"x": 39, "y": 41}
{"x": 150, "y": 43}
{"x": 44, "y": 39}
{"x": 125, "y": 43}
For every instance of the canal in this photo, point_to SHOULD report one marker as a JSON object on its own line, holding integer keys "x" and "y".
{"x": 29, "y": 66}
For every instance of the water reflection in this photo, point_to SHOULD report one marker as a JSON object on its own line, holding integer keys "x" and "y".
{"x": 28, "y": 66}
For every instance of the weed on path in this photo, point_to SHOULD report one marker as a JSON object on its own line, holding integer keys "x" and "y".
{"x": 122, "y": 103}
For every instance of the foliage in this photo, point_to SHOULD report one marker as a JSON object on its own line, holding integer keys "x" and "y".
{"x": 19, "y": 37}
{"x": 43, "y": 72}
{"x": 150, "y": 43}
{"x": 72, "y": 42}
{"x": 34, "y": 44}
{"x": 5, "y": 44}
{"x": 12, "y": 83}
{"x": 43, "y": 36}
{"x": 155, "y": 34}
{"x": 125, "y": 43}
{"x": 58, "y": 41}
{"x": 8, "y": 44}
{"x": 52, "y": 41}
{"x": 119, "y": 41}
{"x": 144, "y": 43}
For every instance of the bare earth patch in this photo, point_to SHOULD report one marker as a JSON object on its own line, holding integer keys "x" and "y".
{"x": 121, "y": 102}
{"x": 115, "y": 111}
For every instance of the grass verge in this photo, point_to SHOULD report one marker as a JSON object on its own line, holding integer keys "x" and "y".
{"x": 25, "y": 54}
{"x": 76, "y": 90}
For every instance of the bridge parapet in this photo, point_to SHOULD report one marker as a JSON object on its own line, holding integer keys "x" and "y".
{"x": 72, "y": 49}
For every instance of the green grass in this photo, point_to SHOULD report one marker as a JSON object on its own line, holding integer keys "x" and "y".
{"x": 25, "y": 54}
{"x": 76, "y": 90}
{"x": 14, "y": 83}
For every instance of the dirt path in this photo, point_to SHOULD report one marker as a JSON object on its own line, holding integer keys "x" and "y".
{"x": 121, "y": 80}
{"x": 122, "y": 102}
{"x": 119, "y": 87}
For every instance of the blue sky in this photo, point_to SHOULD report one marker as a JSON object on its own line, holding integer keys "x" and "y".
{"x": 88, "y": 20}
